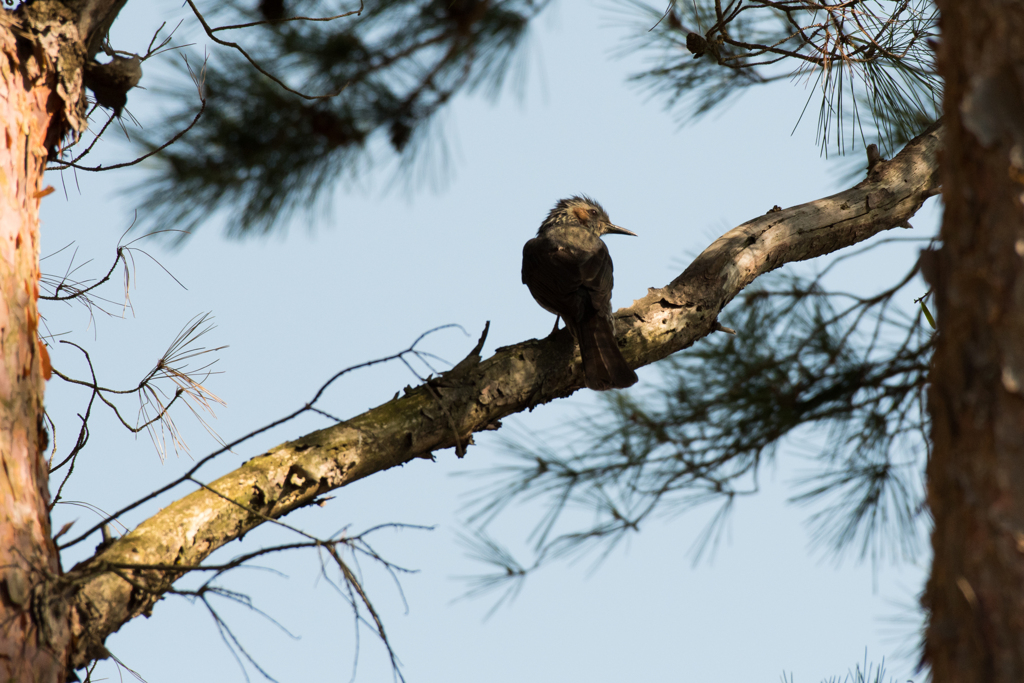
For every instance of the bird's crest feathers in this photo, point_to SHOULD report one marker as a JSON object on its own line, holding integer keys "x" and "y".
{"x": 576, "y": 209}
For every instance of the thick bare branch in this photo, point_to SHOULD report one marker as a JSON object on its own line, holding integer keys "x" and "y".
{"x": 95, "y": 18}
{"x": 475, "y": 395}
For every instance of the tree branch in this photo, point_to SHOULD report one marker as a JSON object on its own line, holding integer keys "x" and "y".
{"x": 445, "y": 411}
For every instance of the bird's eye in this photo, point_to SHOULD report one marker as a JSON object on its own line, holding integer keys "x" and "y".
{"x": 593, "y": 212}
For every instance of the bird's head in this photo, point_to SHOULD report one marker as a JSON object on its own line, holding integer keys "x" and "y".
{"x": 582, "y": 211}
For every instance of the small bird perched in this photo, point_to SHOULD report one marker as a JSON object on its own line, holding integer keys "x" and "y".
{"x": 569, "y": 272}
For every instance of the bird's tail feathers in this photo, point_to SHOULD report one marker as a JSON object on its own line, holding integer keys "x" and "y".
{"x": 603, "y": 364}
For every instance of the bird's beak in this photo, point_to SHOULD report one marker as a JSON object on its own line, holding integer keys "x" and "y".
{"x": 616, "y": 230}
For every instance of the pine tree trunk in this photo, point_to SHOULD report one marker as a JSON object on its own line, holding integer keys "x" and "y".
{"x": 33, "y": 622}
{"x": 976, "y": 474}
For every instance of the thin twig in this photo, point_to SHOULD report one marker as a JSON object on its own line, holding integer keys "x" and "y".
{"x": 255, "y": 64}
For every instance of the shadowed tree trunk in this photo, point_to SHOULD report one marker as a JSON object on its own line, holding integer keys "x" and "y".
{"x": 976, "y": 473}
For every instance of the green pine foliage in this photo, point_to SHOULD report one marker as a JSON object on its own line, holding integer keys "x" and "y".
{"x": 868, "y": 64}
{"x": 366, "y": 87}
{"x": 264, "y": 151}
{"x": 838, "y": 378}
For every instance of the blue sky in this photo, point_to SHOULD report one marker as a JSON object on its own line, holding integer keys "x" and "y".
{"x": 381, "y": 264}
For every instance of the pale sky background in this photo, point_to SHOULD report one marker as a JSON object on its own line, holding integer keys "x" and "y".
{"x": 377, "y": 268}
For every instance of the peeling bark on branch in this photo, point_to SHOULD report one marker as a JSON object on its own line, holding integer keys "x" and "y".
{"x": 674, "y": 317}
{"x": 446, "y": 411}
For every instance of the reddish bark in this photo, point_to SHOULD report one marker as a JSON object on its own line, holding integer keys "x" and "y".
{"x": 28, "y": 558}
{"x": 976, "y": 473}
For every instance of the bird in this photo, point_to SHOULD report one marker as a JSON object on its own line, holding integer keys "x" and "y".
{"x": 568, "y": 271}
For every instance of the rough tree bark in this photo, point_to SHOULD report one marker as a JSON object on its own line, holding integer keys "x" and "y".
{"x": 975, "y": 594}
{"x": 42, "y": 51}
{"x": 28, "y": 557}
{"x": 125, "y": 579}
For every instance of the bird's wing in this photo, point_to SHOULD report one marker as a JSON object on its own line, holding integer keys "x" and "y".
{"x": 555, "y": 277}
{"x": 596, "y": 278}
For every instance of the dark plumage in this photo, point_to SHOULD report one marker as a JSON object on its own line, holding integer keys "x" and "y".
{"x": 569, "y": 272}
